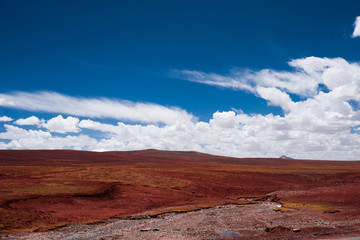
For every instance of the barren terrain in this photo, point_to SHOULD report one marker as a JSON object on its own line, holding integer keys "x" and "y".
{"x": 174, "y": 195}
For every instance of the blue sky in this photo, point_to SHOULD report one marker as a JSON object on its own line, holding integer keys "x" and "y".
{"x": 178, "y": 68}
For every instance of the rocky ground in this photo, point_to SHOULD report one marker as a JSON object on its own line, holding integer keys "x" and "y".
{"x": 255, "y": 221}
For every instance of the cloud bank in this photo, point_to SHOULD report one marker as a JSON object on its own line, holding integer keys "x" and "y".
{"x": 226, "y": 133}
{"x": 324, "y": 124}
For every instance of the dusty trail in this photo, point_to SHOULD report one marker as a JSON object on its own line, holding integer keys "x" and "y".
{"x": 229, "y": 221}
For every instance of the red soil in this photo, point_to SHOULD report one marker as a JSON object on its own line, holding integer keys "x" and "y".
{"x": 45, "y": 189}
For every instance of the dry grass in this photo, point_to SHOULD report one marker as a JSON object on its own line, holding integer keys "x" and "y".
{"x": 145, "y": 183}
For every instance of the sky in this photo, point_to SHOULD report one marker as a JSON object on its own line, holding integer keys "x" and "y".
{"x": 233, "y": 78}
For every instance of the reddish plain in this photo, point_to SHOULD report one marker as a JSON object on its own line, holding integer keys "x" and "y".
{"x": 46, "y": 189}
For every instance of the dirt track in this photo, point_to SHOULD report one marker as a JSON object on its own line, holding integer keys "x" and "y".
{"x": 257, "y": 221}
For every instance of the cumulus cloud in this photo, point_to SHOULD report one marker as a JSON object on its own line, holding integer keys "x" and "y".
{"x": 62, "y": 125}
{"x": 356, "y": 32}
{"x": 21, "y": 138}
{"x": 52, "y": 102}
{"x": 28, "y": 121}
{"x": 57, "y": 124}
{"x": 16, "y": 133}
{"x": 276, "y": 97}
{"x": 5, "y": 119}
{"x": 226, "y": 133}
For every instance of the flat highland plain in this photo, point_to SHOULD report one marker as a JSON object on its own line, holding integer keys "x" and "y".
{"x": 151, "y": 194}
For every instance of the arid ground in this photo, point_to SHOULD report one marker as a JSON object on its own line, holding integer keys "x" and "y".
{"x": 174, "y": 195}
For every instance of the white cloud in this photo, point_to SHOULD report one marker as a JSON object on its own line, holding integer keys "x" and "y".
{"x": 331, "y": 108}
{"x": 16, "y": 133}
{"x": 90, "y": 124}
{"x": 94, "y": 107}
{"x": 62, "y": 125}
{"x": 28, "y": 121}
{"x": 226, "y": 133}
{"x": 230, "y": 81}
{"x": 276, "y": 97}
{"x": 224, "y": 119}
{"x": 37, "y": 139}
{"x": 231, "y": 134}
{"x": 5, "y": 119}
{"x": 356, "y": 32}
{"x": 304, "y": 80}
